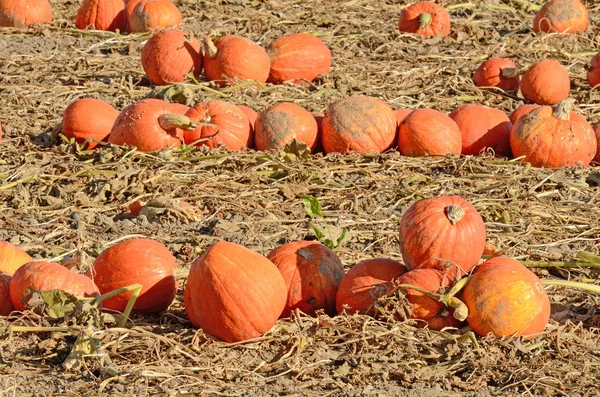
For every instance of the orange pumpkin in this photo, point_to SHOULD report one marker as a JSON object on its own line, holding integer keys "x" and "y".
{"x": 6, "y": 306}
{"x": 483, "y": 127}
{"x": 44, "y": 276}
{"x": 358, "y": 123}
{"x": 233, "y": 58}
{"x": 151, "y": 15}
{"x": 546, "y": 83}
{"x": 298, "y": 58}
{"x": 593, "y": 71}
{"x": 521, "y": 111}
{"x": 252, "y": 116}
{"x": 497, "y": 72}
{"x": 596, "y": 128}
{"x": 505, "y": 298}
{"x": 107, "y": 15}
{"x": 22, "y": 13}
{"x": 232, "y": 127}
{"x": 561, "y": 16}
{"x": 553, "y": 138}
{"x": 233, "y": 293}
{"x": 425, "y": 18}
{"x": 428, "y": 132}
{"x": 12, "y": 257}
{"x": 365, "y": 283}
{"x": 88, "y": 119}
{"x": 138, "y": 260}
{"x": 280, "y": 124}
{"x": 401, "y": 115}
{"x": 445, "y": 232}
{"x": 312, "y": 274}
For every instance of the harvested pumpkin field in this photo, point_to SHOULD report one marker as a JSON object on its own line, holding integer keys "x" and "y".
{"x": 60, "y": 203}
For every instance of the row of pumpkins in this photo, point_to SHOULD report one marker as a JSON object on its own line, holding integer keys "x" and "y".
{"x": 235, "y": 294}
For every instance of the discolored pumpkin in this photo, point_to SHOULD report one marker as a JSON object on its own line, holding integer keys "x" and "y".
{"x": 22, "y": 13}
{"x": 428, "y": 132}
{"x": 561, "y": 16}
{"x": 521, "y": 111}
{"x": 505, "y": 298}
{"x": 6, "y": 306}
{"x": 233, "y": 293}
{"x": 12, "y": 257}
{"x": 425, "y": 18}
{"x": 497, "y": 72}
{"x": 88, "y": 119}
{"x": 593, "y": 71}
{"x": 282, "y": 123}
{"x": 107, "y": 15}
{"x": 546, "y": 83}
{"x": 151, "y": 15}
{"x": 312, "y": 273}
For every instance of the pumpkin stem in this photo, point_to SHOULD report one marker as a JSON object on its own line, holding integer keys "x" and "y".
{"x": 135, "y": 288}
{"x": 170, "y": 121}
{"x": 424, "y": 20}
{"x": 209, "y": 47}
{"x": 454, "y": 213}
{"x": 573, "y": 284}
{"x": 305, "y": 253}
{"x": 563, "y": 109}
{"x": 509, "y": 73}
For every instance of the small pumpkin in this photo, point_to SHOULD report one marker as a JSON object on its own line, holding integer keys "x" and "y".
{"x": 554, "y": 138}
{"x": 428, "y": 132}
{"x": 561, "y": 16}
{"x": 88, "y": 119}
{"x": 298, "y": 57}
{"x": 233, "y": 58}
{"x": 546, "y": 83}
{"x": 22, "y": 13}
{"x": 593, "y": 71}
{"x": 497, "y": 72}
{"x": 6, "y": 306}
{"x": 280, "y": 124}
{"x": 107, "y": 15}
{"x": 12, "y": 257}
{"x": 505, "y": 298}
{"x": 234, "y": 293}
{"x": 312, "y": 273}
{"x": 483, "y": 127}
{"x": 521, "y": 111}
{"x": 445, "y": 233}
{"x": 136, "y": 261}
{"x": 365, "y": 283}
{"x": 151, "y": 15}
{"x": 425, "y": 18}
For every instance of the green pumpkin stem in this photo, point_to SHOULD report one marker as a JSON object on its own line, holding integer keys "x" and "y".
{"x": 454, "y": 213}
{"x": 424, "y": 20}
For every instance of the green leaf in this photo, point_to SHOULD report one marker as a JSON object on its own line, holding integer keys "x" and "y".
{"x": 340, "y": 237}
{"x": 312, "y": 206}
{"x": 328, "y": 243}
{"x": 318, "y": 232}
{"x": 53, "y": 303}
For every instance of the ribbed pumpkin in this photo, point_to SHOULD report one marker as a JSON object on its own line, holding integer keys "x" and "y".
{"x": 425, "y": 18}
{"x": 596, "y": 128}
{"x": 358, "y": 123}
{"x": 21, "y": 13}
{"x": 169, "y": 56}
{"x": 88, "y": 118}
{"x": 505, "y": 298}
{"x": 151, "y": 15}
{"x": 561, "y": 16}
{"x": 428, "y": 132}
{"x": 298, "y": 57}
{"x": 593, "y": 71}
{"x": 312, "y": 273}
{"x": 521, "y": 111}
{"x": 12, "y": 257}
{"x": 234, "y": 293}
{"x": 365, "y": 283}
{"x": 233, "y": 58}
{"x": 280, "y": 124}
{"x": 107, "y": 15}
{"x": 44, "y": 276}
{"x": 136, "y": 261}
{"x": 497, "y": 72}
{"x": 6, "y": 306}
{"x": 483, "y": 127}
{"x": 554, "y": 138}
{"x": 546, "y": 83}
{"x": 232, "y": 127}
{"x": 445, "y": 232}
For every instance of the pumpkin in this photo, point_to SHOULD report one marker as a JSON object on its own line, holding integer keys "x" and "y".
{"x": 233, "y": 58}
{"x": 546, "y": 83}
{"x": 298, "y": 57}
{"x": 425, "y": 309}
{"x": 45, "y": 276}
{"x": 553, "y": 138}
{"x": 358, "y": 123}
{"x": 483, "y": 127}
{"x": 561, "y": 16}
{"x": 234, "y": 293}
{"x": 596, "y": 128}
{"x": 229, "y": 125}
{"x": 151, "y": 15}
{"x": 280, "y": 124}
{"x": 136, "y": 261}
{"x": 401, "y": 115}
{"x": 252, "y": 116}
{"x": 425, "y": 18}
{"x": 312, "y": 274}
{"x": 150, "y": 124}
{"x": 365, "y": 283}
{"x": 169, "y": 56}
{"x": 521, "y": 111}
{"x": 505, "y": 298}
{"x": 88, "y": 119}
{"x": 593, "y": 71}
{"x": 445, "y": 232}
{"x": 102, "y": 15}
{"x": 12, "y": 257}
{"x": 428, "y": 132}
{"x": 22, "y": 13}
{"x": 6, "y": 306}
{"x": 497, "y": 72}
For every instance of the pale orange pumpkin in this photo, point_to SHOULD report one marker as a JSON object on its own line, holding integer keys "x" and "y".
{"x": 561, "y": 16}
{"x": 428, "y": 132}
{"x": 151, "y": 15}
{"x": 21, "y": 13}
{"x": 12, "y": 257}
{"x": 546, "y": 83}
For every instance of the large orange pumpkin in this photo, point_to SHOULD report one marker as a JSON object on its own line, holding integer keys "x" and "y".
{"x": 521, "y": 111}
{"x": 151, "y": 15}
{"x": 234, "y": 293}
{"x": 593, "y": 71}
{"x": 561, "y": 16}
{"x": 136, "y": 261}
{"x": 88, "y": 118}
{"x": 554, "y": 138}
{"x": 6, "y": 306}
{"x": 428, "y": 132}
{"x": 312, "y": 273}
{"x": 358, "y": 123}
{"x": 102, "y": 15}
{"x": 21, "y": 13}
{"x": 445, "y": 232}
{"x": 425, "y": 18}
{"x": 280, "y": 124}
{"x": 497, "y": 72}
{"x": 546, "y": 83}
{"x": 505, "y": 298}
{"x": 12, "y": 257}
